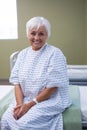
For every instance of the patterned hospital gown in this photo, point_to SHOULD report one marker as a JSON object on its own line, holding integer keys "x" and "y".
{"x": 35, "y": 70}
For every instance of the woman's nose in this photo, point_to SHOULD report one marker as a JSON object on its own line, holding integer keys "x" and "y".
{"x": 37, "y": 36}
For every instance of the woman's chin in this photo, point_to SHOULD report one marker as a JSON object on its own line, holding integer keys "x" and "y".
{"x": 36, "y": 48}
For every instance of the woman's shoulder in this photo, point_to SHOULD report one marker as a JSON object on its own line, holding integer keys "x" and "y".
{"x": 56, "y": 53}
{"x": 24, "y": 51}
{"x": 54, "y": 49}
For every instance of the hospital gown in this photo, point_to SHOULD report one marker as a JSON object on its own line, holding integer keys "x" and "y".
{"x": 34, "y": 71}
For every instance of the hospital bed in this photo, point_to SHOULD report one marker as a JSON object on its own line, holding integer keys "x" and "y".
{"x": 78, "y": 88}
{"x": 78, "y": 76}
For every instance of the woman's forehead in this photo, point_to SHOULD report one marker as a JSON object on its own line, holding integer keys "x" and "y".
{"x": 41, "y": 28}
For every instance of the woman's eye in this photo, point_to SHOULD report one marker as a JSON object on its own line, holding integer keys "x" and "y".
{"x": 41, "y": 34}
{"x": 33, "y": 33}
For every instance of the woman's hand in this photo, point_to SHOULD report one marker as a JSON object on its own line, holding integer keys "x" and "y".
{"x": 16, "y": 111}
{"x": 20, "y": 110}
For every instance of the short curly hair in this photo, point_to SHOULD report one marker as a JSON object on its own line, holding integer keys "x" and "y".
{"x": 37, "y": 22}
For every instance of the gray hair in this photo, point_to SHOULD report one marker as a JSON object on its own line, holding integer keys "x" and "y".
{"x": 37, "y": 22}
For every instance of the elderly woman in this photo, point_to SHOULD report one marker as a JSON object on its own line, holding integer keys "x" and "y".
{"x": 41, "y": 83}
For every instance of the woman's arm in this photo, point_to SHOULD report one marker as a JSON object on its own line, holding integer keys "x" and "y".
{"x": 18, "y": 95}
{"x": 46, "y": 93}
{"x": 20, "y": 110}
{"x": 19, "y": 100}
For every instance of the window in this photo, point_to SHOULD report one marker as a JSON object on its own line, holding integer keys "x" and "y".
{"x": 8, "y": 19}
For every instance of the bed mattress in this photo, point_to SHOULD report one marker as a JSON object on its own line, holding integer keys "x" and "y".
{"x": 77, "y": 73}
{"x": 6, "y": 96}
{"x": 4, "y": 90}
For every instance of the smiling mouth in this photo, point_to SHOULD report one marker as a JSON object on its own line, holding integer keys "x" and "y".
{"x": 36, "y": 42}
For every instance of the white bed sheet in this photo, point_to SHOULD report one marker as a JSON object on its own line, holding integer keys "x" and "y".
{"x": 77, "y": 73}
{"x": 4, "y": 90}
{"x": 83, "y": 101}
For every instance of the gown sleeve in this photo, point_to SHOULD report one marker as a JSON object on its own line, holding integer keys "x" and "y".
{"x": 14, "y": 73}
{"x": 57, "y": 70}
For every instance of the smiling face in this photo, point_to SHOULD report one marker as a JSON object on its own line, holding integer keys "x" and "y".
{"x": 37, "y": 37}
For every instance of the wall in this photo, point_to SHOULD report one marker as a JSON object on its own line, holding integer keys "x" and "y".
{"x": 67, "y": 18}
{"x": 86, "y": 33}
